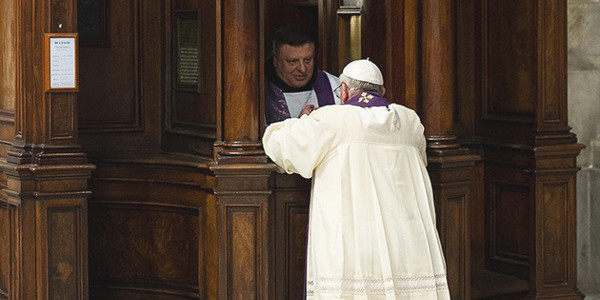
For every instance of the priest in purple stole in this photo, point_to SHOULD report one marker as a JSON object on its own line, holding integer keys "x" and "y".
{"x": 293, "y": 85}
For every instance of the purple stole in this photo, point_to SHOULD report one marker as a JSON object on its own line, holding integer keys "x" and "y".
{"x": 367, "y": 99}
{"x": 275, "y": 106}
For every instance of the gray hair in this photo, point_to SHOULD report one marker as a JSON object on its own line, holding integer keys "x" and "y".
{"x": 357, "y": 86}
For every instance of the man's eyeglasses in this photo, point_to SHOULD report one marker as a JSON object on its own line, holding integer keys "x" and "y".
{"x": 338, "y": 91}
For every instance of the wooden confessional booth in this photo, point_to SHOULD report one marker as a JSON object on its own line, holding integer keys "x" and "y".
{"x": 148, "y": 179}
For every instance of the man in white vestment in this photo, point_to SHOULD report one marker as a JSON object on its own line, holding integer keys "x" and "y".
{"x": 293, "y": 85}
{"x": 372, "y": 231}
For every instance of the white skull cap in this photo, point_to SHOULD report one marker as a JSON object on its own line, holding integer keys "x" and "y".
{"x": 363, "y": 70}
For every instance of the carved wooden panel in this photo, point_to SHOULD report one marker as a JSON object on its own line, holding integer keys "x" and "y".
{"x": 509, "y": 212}
{"x": 144, "y": 249}
{"x": 554, "y": 23}
{"x": 61, "y": 117}
{"x": 477, "y": 212}
{"x": 555, "y": 220}
{"x": 244, "y": 222}
{"x": 122, "y": 80}
{"x": 510, "y": 60}
{"x": 453, "y": 235}
{"x": 147, "y": 230}
{"x": 62, "y": 228}
{"x": 8, "y": 55}
{"x": 510, "y": 216}
{"x": 192, "y": 104}
{"x": 6, "y": 236}
{"x": 9, "y": 215}
{"x": 468, "y": 67}
{"x": 8, "y": 68}
{"x": 191, "y": 108}
{"x": 552, "y": 38}
{"x": 450, "y": 182}
{"x": 110, "y": 94}
{"x": 291, "y": 196}
{"x": 242, "y": 241}
{"x": 243, "y": 248}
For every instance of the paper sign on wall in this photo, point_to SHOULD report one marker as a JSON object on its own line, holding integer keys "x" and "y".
{"x": 61, "y": 62}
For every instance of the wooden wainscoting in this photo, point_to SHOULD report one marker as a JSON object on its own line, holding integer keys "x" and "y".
{"x": 152, "y": 229}
{"x": 291, "y": 195}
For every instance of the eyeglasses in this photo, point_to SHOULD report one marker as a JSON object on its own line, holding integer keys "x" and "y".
{"x": 338, "y": 91}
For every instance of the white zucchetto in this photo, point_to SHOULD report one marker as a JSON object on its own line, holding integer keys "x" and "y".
{"x": 363, "y": 70}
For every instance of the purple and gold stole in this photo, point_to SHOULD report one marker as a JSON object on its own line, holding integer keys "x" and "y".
{"x": 368, "y": 99}
{"x": 276, "y": 108}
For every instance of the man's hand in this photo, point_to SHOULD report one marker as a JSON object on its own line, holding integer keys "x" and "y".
{"x": 307, "y": 110}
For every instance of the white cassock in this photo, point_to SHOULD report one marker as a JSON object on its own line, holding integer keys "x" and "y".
{"x": 372, "y": 231}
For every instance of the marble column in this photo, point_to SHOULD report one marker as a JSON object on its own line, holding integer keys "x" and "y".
{"x": 584, "y": 113}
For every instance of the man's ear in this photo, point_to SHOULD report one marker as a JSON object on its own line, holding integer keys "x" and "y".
{"x": 382, "y": 91}
{"x": 344, "y": 93}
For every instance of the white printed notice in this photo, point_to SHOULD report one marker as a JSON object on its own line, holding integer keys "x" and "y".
{"x": 62, "y": 63}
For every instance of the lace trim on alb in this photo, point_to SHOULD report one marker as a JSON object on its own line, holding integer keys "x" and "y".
{"x": 377, "y": 286}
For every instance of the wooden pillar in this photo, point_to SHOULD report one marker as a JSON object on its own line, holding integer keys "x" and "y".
{"x": 449, "y": 165}
{"x": 46, "y": 171}
{"x": 553, "y": 270}
{"x": 240, "y": 165}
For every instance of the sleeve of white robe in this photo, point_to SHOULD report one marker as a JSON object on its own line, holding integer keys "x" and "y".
{"x": 298, "y": 145}
{"x": 423, "y": 150}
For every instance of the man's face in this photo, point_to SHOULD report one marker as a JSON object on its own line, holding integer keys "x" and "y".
{"x": 295, "y": 65}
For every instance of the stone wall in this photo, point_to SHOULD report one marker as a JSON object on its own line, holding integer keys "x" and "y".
{"x": 584, "y": 118}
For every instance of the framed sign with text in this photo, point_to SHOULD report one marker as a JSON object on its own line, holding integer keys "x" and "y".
{"x": 61, "y": 62}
